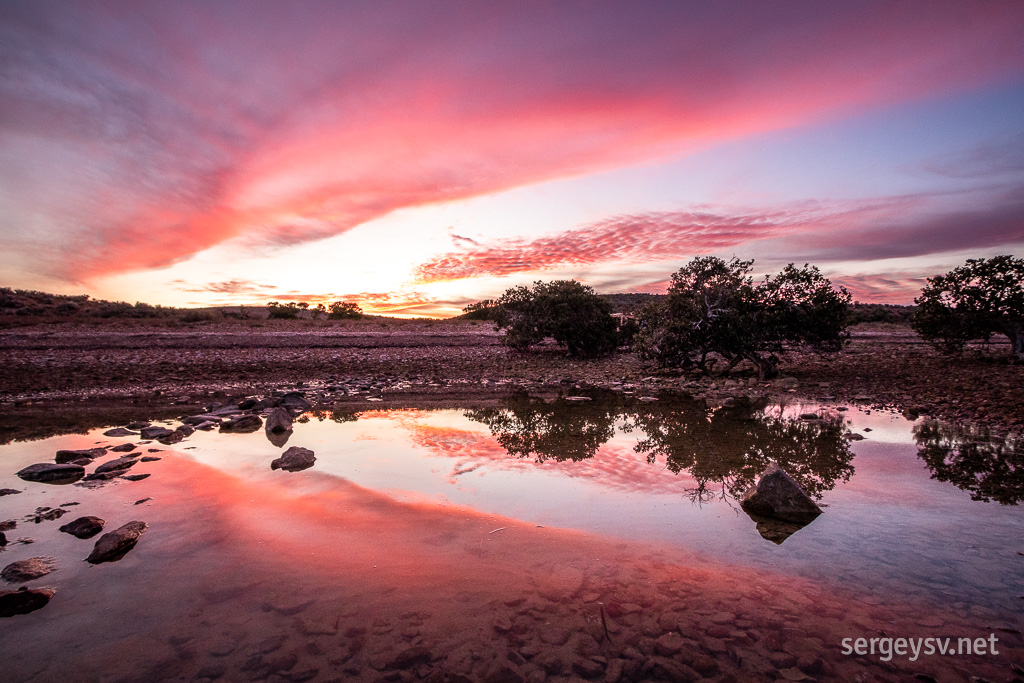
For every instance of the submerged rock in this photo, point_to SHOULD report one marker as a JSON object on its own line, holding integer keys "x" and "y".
{"x": 279, "y": 420}
{"x": 66, "y": 456}
{"x": 84, "y": 527}
{"x": 23, "y": 601}
{"x": 243, "y": 424}
{"x": 114, "y": 545}
{"x": 119, "y": 431}
{"x": 48, "y": 473}
{"x": 28, "y": 570}
{"x": 778, "y": 496}
{"x": 294, "y": 459}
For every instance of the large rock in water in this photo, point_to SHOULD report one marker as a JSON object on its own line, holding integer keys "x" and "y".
{"x": 778, "y": 496}
{"x": 122, "y": 463}
{"x": 114, "y": 545}
{"x": 154, "y": 432}
{"x": 243, "y": 424}
{"x": 294, "y": 459}
{"x": 48, "y": 473}
{"x": 23, "y": 601}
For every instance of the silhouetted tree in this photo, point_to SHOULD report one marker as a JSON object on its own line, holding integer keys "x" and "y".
{"x": 714, "y": 311}
{"x": 974, "y": 301}
{"x": 563, "y": 310}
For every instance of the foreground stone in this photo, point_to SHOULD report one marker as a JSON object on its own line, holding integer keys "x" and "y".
{"x": 778, "y": 496}
{"x": 65, "y": 456}
{"x": 154, "y": 432}
{"x": 28, "y": 570}
{"x": 48, "y": 473}
{"x": 243, "y": 424}
{"x": 23, "y": 601}
{"x": 294, "y": 460}
{"x": 114, "y": 545}
{"x": 84, "y": 527}
{"x": 119, "y": 431}
{"x": 8, "y": 492}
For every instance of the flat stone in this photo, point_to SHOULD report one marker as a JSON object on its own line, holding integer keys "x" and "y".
{"x": 124, "y": 448}
{"x": 117, "y": 465}
{"x": 66, "y": 455}
{"x": 48, "y": 473}
{"x": 8, "y": 492}
{"x": 294, "y": 459}
{"x": 28, "y": 570}
{"x": 135, "y": 477}
{"x": 119, "y": 431}
{"x": 243, "y": 424}
{"x": 114, "y": 545}
{"x": 154, "y": 432}
{"x": 84, "y": 527}
{"x": 23, "y": 601}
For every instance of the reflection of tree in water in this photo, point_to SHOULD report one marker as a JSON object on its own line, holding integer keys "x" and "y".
{"x": 990, "y": 468}
{"x": 562, "y": 430}
{"x": 731, "y": 447}
{"x": 726, "y": 447}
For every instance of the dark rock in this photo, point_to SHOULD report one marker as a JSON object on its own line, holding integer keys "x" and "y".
{"x": 410, "y": 658}
{"x": 100, "y": 476}
{"x": 587, "y": 668}
{"x": 155, "y": 432}
{"x": 124, "y": 448}
{"x": 243, "y": 424}
{"x": 84, "y": 527}
{"x": 47, "y": 473}
{"x": 23, "y": 601}
{"x": 8, "y": 492}
{"x": 119, "y": 431}
{"x": 201, "y": 419}
{"x": 3, "y": 539}
{"x": 279, "y": 420}
{"x": 295, "y": 402}
{"x": 141, "y": 501}
{"x": 185, "y": 430}
{"x": 294, "y": 460}
{"x": 117, "y": 465}
{"x": 135, "y": 477}
{"x": 138, "y": 424}
{"x": 66, "y": 456}
{"x": 9, "y": 524}
{"x": 149, "y": 458}
{"x": 28, "y": 570}
{"x": 114, "y": 545}
{"x": 171, "y": 438}
{"x": 778, "y": 496}
{"x": 809, "y": 416}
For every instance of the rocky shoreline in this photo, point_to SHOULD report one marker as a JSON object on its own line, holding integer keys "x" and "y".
{"x": 119, "y": 369}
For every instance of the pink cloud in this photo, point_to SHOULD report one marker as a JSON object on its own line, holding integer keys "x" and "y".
{"x": 134, "y": 140}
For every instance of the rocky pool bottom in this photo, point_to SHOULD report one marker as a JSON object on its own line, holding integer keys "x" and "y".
{"x": 420, "y": 546}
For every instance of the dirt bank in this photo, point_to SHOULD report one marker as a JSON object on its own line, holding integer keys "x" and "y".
{"x": 422, "y": 363}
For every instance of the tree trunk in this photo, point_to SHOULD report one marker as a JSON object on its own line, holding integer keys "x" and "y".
{"x": 1016, "y": 335}
{"x": 766, "y": 368}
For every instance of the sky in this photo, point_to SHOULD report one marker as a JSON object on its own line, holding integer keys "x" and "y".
{"x": 417, "y": 156}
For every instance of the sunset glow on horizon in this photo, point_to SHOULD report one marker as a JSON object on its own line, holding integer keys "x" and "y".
{"x": 419, "y": 156}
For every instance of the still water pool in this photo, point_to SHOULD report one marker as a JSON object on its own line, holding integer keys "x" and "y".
{"x": 533, "y": 540}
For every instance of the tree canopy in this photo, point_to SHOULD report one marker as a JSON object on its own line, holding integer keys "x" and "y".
{"x": 563, "y": 310}
{"x": 714, "y": 311}
{"x": 974, "y": 301}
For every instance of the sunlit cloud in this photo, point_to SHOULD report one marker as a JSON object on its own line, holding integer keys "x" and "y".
{"x": 132, "y": 141}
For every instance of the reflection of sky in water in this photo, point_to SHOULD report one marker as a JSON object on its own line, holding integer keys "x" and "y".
{"x": 891, "y": 524}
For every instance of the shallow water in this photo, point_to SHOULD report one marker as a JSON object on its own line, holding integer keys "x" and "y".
{"x": 535, "y": 541}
